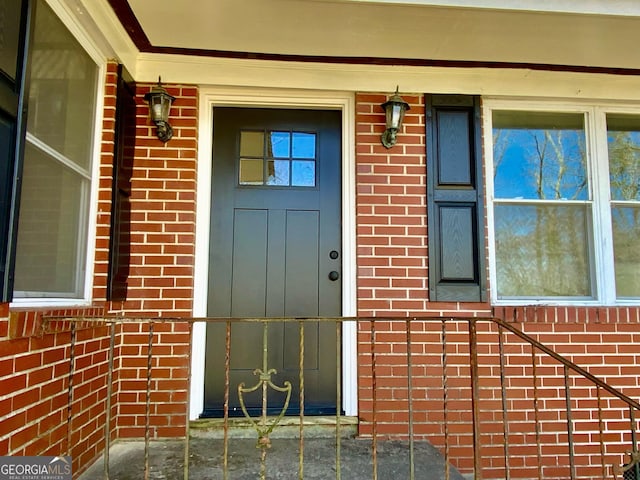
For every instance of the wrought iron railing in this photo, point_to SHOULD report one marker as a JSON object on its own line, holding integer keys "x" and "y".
{"x": 494, "y": 401}
{"x": 601, "y": 422}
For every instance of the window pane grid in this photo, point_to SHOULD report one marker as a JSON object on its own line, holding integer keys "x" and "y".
{"x": 277, "y": 159}
{"x": 62, "y": 86}
{"x": 603, "y": 247}
{"x": 519, "y": 201}
{"x": 542, "y": 206}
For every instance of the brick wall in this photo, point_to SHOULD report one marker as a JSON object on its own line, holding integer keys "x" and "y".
{"x": 38, "y": 416}
{"x": 163, "y": 191}
{"x": 392, "y": 282}
{"x": 160, "y": 282}
{"x": 392, "y": 216}
{"x": 168, "y": 370}
{"x": 41, "y": 359}
{"x": 391, "y": 211}
{"x": 442, "y": 391}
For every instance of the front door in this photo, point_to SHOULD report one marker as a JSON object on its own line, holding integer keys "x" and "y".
{"x": 274, "y": 252}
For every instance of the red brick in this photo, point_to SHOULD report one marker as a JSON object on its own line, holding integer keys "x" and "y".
{"x": 13, "y": 383}
{"x": 21, "y": 436}
{"x": 10, "y": 348}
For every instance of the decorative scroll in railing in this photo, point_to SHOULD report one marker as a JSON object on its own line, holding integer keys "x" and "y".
{"x": 631, "y": 470}
{"x": 494, "y": 402}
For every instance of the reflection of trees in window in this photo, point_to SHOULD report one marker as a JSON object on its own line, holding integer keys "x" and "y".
{"x": 500, "y": 142}
{"x": 548, "y": 221}
{"x": 542, "y": 251}
{"x": 290, "y": 158}
{"x": 541, "y": 211}
{"x": 540, "y": 162}
{"x": 558, "y": 163}
{"x": 624, "y": 165}
{"x": 624, "y": 178}
{"x": 626, "y": 231}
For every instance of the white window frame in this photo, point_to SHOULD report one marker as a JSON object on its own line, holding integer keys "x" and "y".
{"x": 89, "y": 226}
{"x": 596, "y": 145}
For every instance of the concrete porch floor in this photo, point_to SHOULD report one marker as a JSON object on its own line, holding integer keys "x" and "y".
{"x": 166, "y": 457}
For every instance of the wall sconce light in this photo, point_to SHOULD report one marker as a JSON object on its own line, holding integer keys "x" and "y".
{"x": 159, "y": 105}
{"x": 394, "y": 109}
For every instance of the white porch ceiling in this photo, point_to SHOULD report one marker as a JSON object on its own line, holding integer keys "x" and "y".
{"x": 609, "y": 7}
{"x": 558, "y": 33}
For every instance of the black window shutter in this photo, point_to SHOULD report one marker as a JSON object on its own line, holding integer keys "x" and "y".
{"x": 454, "y": 197}
{"x": 16, "y": 31}
{"x": 124, "y": 140}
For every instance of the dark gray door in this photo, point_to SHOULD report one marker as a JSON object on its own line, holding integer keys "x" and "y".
{"x": 275, "y": 252}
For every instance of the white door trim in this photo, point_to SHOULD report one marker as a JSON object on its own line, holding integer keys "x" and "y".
{"x": 228, "y": 96}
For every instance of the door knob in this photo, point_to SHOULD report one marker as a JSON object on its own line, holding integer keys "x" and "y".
{"x": 333, "y": 275}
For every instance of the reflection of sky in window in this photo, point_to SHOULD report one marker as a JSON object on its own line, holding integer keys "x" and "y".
{"x": 539, "y": 164}
{"x": 280, "y": 144}
{"x": 304, "y": 145}
{"x": 296, "y": 154}
{"x": 303, "y": 174}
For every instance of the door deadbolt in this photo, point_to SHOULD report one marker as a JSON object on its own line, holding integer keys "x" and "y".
{"x": 333, "y": 254}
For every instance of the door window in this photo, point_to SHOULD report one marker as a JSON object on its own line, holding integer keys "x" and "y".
{"x": 277, "y": 158}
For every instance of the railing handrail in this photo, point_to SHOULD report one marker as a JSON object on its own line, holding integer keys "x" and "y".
{"x": 75, "y": 322}
{"x": 567, "y": 363}
{"x": 527, "y": 338}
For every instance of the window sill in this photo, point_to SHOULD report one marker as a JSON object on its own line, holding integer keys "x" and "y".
{"x": 28, "y": 303}
{"x": 29, "y": 320}
{"x": 563, "y": 303}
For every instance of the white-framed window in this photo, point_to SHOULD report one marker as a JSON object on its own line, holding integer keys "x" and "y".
{"x": 563, "y": 189}
{"x": 52, "y": 255}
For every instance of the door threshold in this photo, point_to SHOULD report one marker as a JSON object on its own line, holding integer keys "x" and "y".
{"x": 288, "y": 427}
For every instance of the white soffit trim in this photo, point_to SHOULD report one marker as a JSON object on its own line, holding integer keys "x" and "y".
{"x": 101, "y": 23}
{"x": 594, "y": 7}
{"x": 378, "y": 78}
{"x": 84, "y": 30}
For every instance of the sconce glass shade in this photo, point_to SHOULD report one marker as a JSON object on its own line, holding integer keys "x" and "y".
{"x": 160, "y": 102}
{"x": 394, "y": 109}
